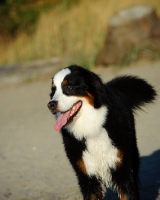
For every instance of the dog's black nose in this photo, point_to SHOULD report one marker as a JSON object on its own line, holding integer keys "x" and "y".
{"x": 52, "y": 105}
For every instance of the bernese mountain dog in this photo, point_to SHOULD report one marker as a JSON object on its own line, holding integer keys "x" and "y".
{"x": 97, "y": 124}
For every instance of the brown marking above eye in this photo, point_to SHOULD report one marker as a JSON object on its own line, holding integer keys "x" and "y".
{"x": 53, "y": 85}
{"x": 64, "y": 82}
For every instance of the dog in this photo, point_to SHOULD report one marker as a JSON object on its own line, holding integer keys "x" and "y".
{"x": 97, "y": 124}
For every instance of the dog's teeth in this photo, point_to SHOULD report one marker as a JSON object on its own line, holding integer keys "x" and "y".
{"x": 71, "y": 114}
{"x": 73, "y": 110}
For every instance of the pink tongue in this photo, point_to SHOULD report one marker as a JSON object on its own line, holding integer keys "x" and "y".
{"x": 61, "y": 121}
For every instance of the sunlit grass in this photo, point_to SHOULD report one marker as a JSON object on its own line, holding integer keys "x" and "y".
{"x": 77, "y": 31}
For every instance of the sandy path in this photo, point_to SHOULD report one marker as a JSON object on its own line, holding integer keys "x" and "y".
{"x": 32, "y": 161}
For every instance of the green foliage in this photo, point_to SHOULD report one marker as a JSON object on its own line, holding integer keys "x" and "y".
{"x": 132, "y": 56}
{"x": 149, "y": 52}
{"x": 16, "y": 18}
{"x": 21, "y": 16}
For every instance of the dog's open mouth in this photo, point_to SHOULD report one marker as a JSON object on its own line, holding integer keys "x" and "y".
{"x": 65, "y": 118}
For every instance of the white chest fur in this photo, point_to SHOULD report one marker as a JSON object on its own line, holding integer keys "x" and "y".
{"x": 88, "y": 122}
{"x": 100, "y": 156}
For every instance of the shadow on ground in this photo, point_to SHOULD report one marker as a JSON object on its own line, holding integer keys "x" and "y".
{"x": 149, "y": 178}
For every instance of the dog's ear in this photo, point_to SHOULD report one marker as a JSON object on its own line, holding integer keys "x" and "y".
{"x": 97, "y": 82}
{"x": 98, "y": 90}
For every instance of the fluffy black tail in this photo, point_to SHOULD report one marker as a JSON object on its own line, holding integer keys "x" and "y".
{"x": 137, "y": 91}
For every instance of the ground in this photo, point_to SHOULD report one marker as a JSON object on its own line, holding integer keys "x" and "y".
{"x": 33, "y": 165}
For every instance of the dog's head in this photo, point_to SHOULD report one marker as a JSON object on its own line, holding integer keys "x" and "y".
{"x": 73, "y": 90}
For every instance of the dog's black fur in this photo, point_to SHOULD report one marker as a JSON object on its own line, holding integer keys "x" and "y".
{"x": 121, "y": 97}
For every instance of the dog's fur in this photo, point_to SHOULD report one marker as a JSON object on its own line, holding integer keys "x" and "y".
{"x": 97, "y": 125}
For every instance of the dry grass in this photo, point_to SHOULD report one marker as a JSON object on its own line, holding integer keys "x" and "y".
{"x": 79, "y": 30}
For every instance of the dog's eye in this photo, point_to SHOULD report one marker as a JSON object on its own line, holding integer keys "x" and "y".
{"x": 67, "y": 88}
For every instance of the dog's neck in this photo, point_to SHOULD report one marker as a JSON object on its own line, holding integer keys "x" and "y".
{"x": 88, "y": 122}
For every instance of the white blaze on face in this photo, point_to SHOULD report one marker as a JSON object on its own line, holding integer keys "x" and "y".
{"x": 57, "y": 80}
{"x": 64, "y": 102}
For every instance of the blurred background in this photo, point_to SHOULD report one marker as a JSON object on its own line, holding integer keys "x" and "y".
{"x": 41, "y": 29}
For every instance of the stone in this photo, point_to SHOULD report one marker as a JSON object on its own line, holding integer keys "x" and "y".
{"x": 136, "y": 27}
